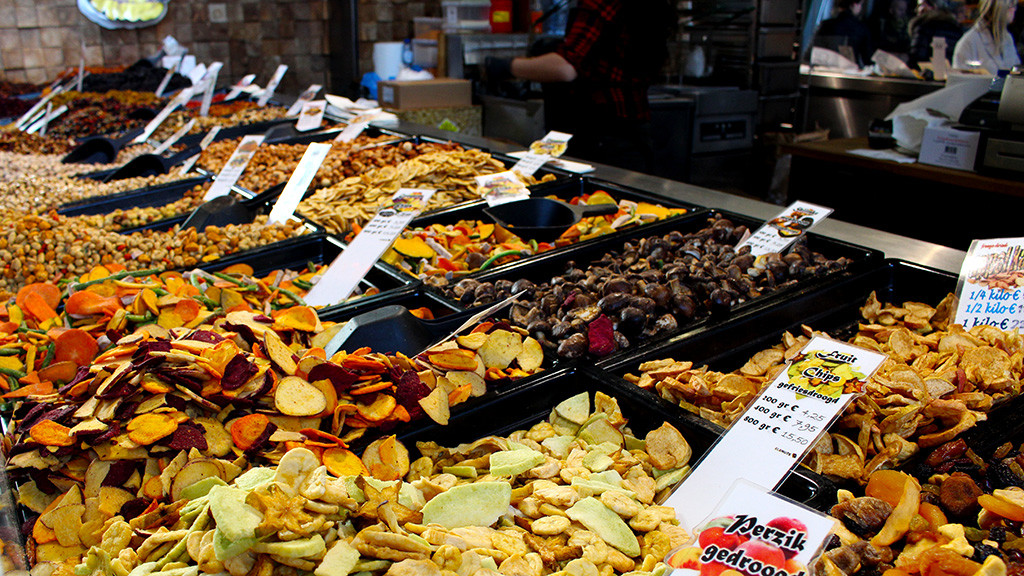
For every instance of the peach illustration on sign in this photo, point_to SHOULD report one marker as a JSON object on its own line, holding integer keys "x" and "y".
{"x": 721, "y": 550}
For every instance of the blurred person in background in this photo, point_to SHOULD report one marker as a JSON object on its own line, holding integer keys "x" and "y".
{"x": 596, "y": 80}
{"x": 935, "y": 18}
{"x": 988, "y": 44}
{"x": 846, "y": 33}
{"x": 889, "y": 26}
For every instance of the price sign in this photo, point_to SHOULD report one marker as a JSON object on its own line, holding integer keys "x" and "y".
{"x": 296, "y": 187}
{"x": 268, "y": 92}
{"x": 353, "y": 130}
{"x": 234, "y": 167}
{"x": 529, "y": 163}
{"x": 753, "y": 531}
{"x": 553, "y": 144}
{"x": 781, "y": 231}
{"x": 306, "y": 96}
{"x": 501, "y": 188}
{"x": 35, "y": 110}
{"x": 166, "y": 145}
{"x": 990, "y": 284}
{"x": 206, "y": 141}
{"x": 311, "y": 116}
{"x": 240, "y": 87}
{"x": 779, "y": 426}
{"x": 179, "y": 100}
{"x": 349, "y": 268}
{"x": 210, "y": 84}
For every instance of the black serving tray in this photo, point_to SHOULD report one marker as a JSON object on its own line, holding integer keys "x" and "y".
{"x": 545, "y": 266}
{"x": 141, "y": 198}
{"x": 525, "y": 406}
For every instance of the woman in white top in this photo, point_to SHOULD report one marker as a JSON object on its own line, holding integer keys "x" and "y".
{"x": 988, "y": 44}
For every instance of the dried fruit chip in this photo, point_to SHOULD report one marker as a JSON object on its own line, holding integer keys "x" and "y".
{"x": 296, "y": 397}
{"x": 500, "y": 349}
{"x": 342, "y": 462}
{"x": 601, "y": 336}
{"x": 454, "y": 359}
{"x": 146, "y": 429}
{"x": 386, "y": 459}
{"x": 382, "y": 407}
{"x": 436, "y": 406}
{"x": 50, "y": 433}
{"x": 532, "y": 355}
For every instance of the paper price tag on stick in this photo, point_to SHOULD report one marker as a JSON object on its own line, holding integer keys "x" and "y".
{"x": 175, "y": 137}
{"x": 206, "y": 141}
{"x": 530, "y": 163}
{"x": 501, "y": 187}
{"x": 311, "y": 116}
{"x": 349, "y": 268}
{"x": 778, "y": 233}
{"x": 180, "y": 100}
{"x": 268, "y": 92}
{"x": 234, "y": 167}
{"x": 296, "y": 187}
{"x": 240, "y": 87}
{"x": 990, "y": 285}
{"x": 306, "y": 96}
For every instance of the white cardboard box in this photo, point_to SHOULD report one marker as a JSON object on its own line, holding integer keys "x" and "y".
{"x": 949, "y": 147}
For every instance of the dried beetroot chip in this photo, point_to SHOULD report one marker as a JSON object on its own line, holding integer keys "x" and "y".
{"x": 187, "y": 436}
{"x": 25, "y": 445}
{"x": 43, "y": 483}
{"x": 114, "y": 335}
{"x": 61, "y": 415}
{"x": 114, "y": 430}
{"x": 125, "y": 411}
{"x": 151, "y": 346}
{"x": 82, "y": 374}
{"x": 601, "y": 336}
{"x": 176, "y": 402}
{"x": 205, "y": 336}
{"x": 190, "y": 378}
{"x": 261, "y": 441}
{"x": 64, "y": 451}
{"x": 119, "y": 473}
{"x": 264, "y": 388}
{"x": 409, "y": 389}
{"x": 341, "y": 378}
{"x": 243, "y": 331}
{"x": 26, "y": 527}
{"x": 32, "y": 417}
{"x": 237, "y": 372}
{"x": 501, "y": 325}
{"x": 133, "y": 508}
{"x": 119, "y": 387}
{"x": 263, "y": 318}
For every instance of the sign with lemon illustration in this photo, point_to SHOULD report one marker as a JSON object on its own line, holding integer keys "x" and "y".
{"x": 825, "y": 374}
{"x": 124, "y": 13}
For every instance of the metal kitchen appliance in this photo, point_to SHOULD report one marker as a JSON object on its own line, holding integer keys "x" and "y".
{"x": 1000, "y": 115}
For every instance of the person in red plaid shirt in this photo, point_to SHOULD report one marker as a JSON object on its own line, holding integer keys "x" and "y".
{"x": 596, "y": 81}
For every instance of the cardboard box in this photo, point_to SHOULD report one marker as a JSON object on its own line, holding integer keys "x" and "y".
{"x": 949, "y": 147}
{"x": 413, "y": 94}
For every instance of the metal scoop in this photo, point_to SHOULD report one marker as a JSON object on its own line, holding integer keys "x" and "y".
{"x": 543, "y": 219}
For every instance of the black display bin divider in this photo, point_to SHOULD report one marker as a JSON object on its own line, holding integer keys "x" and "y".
{"x": 545, "y": 266}
{"x": 521, "y": 408}
{"x": 141, "y": 198}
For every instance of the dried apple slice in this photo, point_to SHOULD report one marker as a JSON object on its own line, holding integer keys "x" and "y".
{"x": 111, "y": 499}
{"x": 462, "y": 377}
{"x": 435, "y": 405}
{"x": 473, "y": 340}
{"x": 296, "y": 397}
{"x": 65, "y": 521}
{"x": 193, "y": 472}
{"x": 279, "y": 353}
{"x": 386, "y": 459}
{"x": 531, "y": 357}
{"x": 454, "y": 359}
{"x": 501, "y": 349}
{"x": 325, "y": 387}
{"x": 382, "y": 407}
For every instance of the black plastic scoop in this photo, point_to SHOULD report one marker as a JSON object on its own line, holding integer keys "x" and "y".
{"x": 100, "y": 149}
{"x": 229, "y": 209}
{"x": 151, "y": 164}
{"x": 543, "y": 219}
{"x": 388, "y": 328}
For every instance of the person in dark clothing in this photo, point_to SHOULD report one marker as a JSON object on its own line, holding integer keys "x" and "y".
{"x": 846, "y": 29}
{"x": 889, "y": 28}
{"x": 596, "y": 81}
{"x": 934, "y": 18}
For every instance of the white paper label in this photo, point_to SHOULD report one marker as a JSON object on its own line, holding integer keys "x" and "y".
{"x": 166, "y": 80}
{"x": 779, "y": 426}
{"x": 81, "y": 69}
{"x": 234, "y": 167}
{"x": 166, "y": 145}
{"x": 240, "y": 87}
{"x": 553, "y": 144}
{"x": 529, "y": 163}
{"x": 990, "y": 284}
{"x": 210, "y": 85}
{"x": 268, "y": 92}
{"x": 306, "y": 96}
{"x": 501, "y": 187}
{"x": 37, "y": 108}
{"x": 41, "y": 124}
{"x": 311, "y": 116}
{"x": 778, "y": 233}
{"x": 206, "y": 141}
{"x": 788, "y": 536}
{"x": 180, "y": 100}
{"x": 351, "y": 132}
{"x": 297, "y": 185}
{"x": 349, "y": 268}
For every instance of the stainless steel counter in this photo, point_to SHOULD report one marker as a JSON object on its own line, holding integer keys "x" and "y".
{"x": 894, "y": 246}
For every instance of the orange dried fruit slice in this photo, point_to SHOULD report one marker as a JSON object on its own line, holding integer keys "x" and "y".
{"x": 454, "y": 359}
{"x": 247, "y": 429}
{"x": 355, "y": 361}
{"x": 50, "y": 433}
{"x": 371, "y": 388}
{"x": 145, "y": 429}
{"x": 1001, "y": 507}
{"x": 381, "y": 408}
{"x": 301, "y": 318}
{"x": 342, "y": 462}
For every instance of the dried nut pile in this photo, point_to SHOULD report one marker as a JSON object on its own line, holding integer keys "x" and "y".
{"x": 274, "y": 163}
{"x": 41, "y": 193}
{"x": 127, "y": 218}
{"x": 347, "y": 205}
{"x": 222, "y": 114}
{"x": 23, "y": 143}
{"x": 16, "y": 166}
{"x": 646, "y": 289}
{"x": 91, "y": 114}
{"x": 440, "y": 253}
{"x": 938, "y": 381}
{"x": 554, "y": 499}
{"x": 959, "y": 514}
{"x": 50, "y": 248}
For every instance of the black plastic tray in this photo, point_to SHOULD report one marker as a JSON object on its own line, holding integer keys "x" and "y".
{"x": 545, "y": 266}
{"x": 140, "y": 198}
{"x": 523, "y": 407}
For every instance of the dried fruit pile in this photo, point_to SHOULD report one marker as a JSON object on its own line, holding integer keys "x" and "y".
{"x": 644, "y": 289}
{"x": 91, "y": 114}
{"x": 583, "y": 504}
{"x": 223, "y": 114}
{"x": 126, "y": 218}
{"x": 24, "y": 143}
{"x": 437, "y": 254}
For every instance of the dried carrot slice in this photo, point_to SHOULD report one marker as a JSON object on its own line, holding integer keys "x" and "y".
{"x": 381, "y": 408}
{"x": 146, "y": 429}
{"x": 355, "y": 362}
{"x": 301, "y": 318}
{"x": 187, "y": 309}
{"x": 460, "y": 394}
{"x": 49, "y": 433}
{"x": 75, "y": 345}
{"x": 59, "y": 372}
{"x": 87, "y": 303}
{"x": 41, "y": 534}
{"x": 342, "y": 462}
{"x": 48, "y": 292}
{"x": 321, "y": 436}
{"x": 38, "y": 389}
{"x": 241, "y": 268}
{"x": 371, "y": 388}
{"x": 247, "y": 429}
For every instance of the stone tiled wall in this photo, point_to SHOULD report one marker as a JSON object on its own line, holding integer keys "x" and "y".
{"x": 41, "y": 38}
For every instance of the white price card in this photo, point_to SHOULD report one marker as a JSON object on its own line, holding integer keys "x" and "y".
{"x": 781, "y": 231}
{"x": 268, "y": 92}
{"x": 311, "y": 116}
{"x": 166, "y": 145}
{"x": 754, "y": 532}
{"x": 240, "y": 87}
{"x": 234, "y": 167}
{"x": 351, "y": 132}
{"x": 296, "y": 187}
{"x": 306, "y": 96}
{"x": 529, "y": 163}
{"x": 206, "y": 141}
{"x": 37, "y": 108}
{"x": 50, "y": 115}
{"x": 349, "y": 268}
{"x": 209, "y": 86}
{"x": 180, "y": 99}
{"x": 785, "y": 420}
{"x": 990, "y": 283}
{"x": 501, "y": 187}
{"x": 552, "y": 144}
